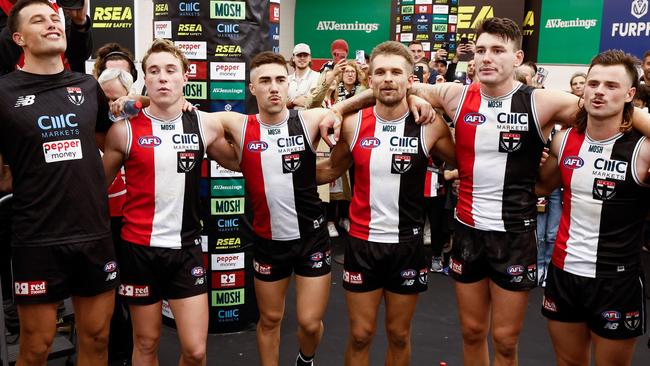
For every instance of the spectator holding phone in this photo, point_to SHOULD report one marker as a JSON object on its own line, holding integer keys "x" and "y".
{"x": 328, "y": 72}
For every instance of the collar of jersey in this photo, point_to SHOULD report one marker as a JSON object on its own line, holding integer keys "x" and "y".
{"x": 606, "y": 141}
{"x": 381, "y": 120}
{"x": 267, "y": 125}
{"x": 514, "y": 89}
{"x": 158, "y": 120}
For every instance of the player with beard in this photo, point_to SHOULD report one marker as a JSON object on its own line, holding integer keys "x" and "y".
{"x": 384, "y": 258}
{"x": 594, "y": 291}
{"x": 501, "y": 129}
{"x": 276, "y": 154}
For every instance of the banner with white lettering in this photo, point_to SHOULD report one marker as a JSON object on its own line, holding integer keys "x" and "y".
{"x": 530, "y": 29}
{"x": 626, "y": 26}
{"x": 473, "y": 12}
{"x": 112, "y": 21}
{"x": 570, "y": 32}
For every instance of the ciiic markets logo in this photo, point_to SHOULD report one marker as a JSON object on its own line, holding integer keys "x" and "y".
{"x": 113, "y": 17}
{"x": 189, "y": 9}
{"x": 228, "y": 30}
{"x": 193, "y": 50}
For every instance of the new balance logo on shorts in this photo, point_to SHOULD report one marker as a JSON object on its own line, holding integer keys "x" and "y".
{"x": 30, "y": 288}
{"x": 25, "y": 101}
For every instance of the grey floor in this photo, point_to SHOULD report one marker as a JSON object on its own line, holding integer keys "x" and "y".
{"x": 435, "y": 338}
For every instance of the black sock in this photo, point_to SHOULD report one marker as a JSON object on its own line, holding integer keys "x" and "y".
{"x": 303, "y": 360}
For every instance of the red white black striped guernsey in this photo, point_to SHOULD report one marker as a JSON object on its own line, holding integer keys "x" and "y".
{"x": 434, "y": 181}
{"x": 279, "y": 165}
{"x": 604, "y": 205}
{"x": 499, "y": 145}
{"x": 163, "y": 170}
{"x": 390, "y": 161}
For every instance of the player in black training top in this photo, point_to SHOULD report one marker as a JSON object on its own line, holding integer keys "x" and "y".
{"x": 61, "y": 239}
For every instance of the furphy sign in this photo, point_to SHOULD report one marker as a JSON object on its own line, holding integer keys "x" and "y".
{"x": 626, "y": 26}
{"x": 575, "y": 27}
{"x": 321, "y": 22}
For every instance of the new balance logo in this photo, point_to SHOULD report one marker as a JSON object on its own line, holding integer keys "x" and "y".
{"x": 25, "y": 100}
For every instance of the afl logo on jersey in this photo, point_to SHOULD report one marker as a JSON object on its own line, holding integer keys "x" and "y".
{"x": 149, "y": 141}
{"x": 369, "y": 142}
{"x": 257, "y": 146}
{"x": 474, "y": 119}
{"x": 197, "y": 272}
{"x": 611, "y": 315}
{"x": 573, "y": 162}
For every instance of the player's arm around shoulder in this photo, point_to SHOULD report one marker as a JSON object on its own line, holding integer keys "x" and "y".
{"x": 319, "y": 121}
{"x": 439, "y": 140}
{"x": 340, "y": 158}
{"x": 549, "y": 173}
{"x": 555, "y": 106}
{"x": 223, "y": 131}
{"x": 5, "y": 176}
{"x": 115, "y": 150}
{"x": 445, "y": 95}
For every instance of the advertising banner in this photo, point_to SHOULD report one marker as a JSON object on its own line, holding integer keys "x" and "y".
{"x": 530, "y": 29}
{"x": 219, "y": 38}
{"x": 362, "y": 24}
{"x": 626, "y": 26}
{"x": 472, "y": 12}
{"x": 570, "y": 31}
{"x": 431, "y": 22}
{"x": 112, "y": 20}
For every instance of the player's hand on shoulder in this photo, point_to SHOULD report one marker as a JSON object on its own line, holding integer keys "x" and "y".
{"x": 421, "y": 109}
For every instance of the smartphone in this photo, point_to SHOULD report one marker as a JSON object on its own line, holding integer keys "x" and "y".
{"x": 418, "y": 72}
{"x": 361, "y": 57}
{"x": 541, "y": 76}
{"x": 338, "y": 56}
{"x": 463, "y": 40}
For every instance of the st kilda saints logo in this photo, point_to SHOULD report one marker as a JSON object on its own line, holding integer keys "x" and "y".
{"x": 604, "y": 189}
{"x": 75, "y": 96}
{"x": 290, "y": 163}
{"x": 401, "y": 164}
{"x": 509, "y": 142}
{"x": 632, "y": 320}
{"x": 186, "y": 161}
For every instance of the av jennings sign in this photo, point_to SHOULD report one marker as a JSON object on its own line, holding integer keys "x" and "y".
{"x": 570, "y": 31}
{"x": 318, "y": 23}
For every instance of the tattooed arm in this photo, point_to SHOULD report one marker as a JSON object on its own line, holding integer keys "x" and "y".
{"x": 445, "y": 95}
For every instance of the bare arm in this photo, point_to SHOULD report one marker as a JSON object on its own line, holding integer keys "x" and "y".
{"x": 219, "y": 149}
{"x": 445, "y": 95}
{"x": 555, "y": 106}
{"x": 114, "y": 150}
{"x": 442, "y": 144}
{"x": 549, "y": 173}
{"x": 5, "y": 176}
{"x": 340, "y": 159}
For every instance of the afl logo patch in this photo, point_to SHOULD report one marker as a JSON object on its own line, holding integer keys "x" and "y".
{"x": 257, "y": 146}
{"x": 573, "y": 162}
{"x": 474, "y": 119}
{"x": 198, "y": 272}
{"x": 369, "y": 142}
{"x": 149, "y": 141}
{"x": 110, "y": 267}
